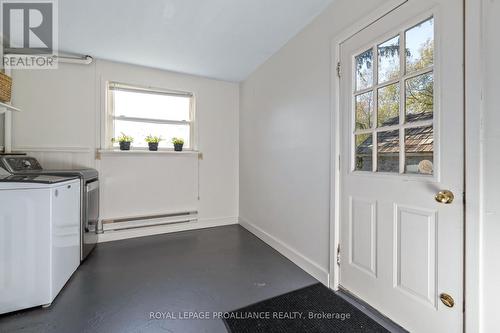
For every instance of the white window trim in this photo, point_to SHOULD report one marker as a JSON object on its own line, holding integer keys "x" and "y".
{"x": 109, "y": 117}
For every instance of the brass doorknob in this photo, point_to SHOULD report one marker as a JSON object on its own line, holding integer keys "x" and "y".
{"x": 447, "y": 300}
{"x": 444, "y": 197}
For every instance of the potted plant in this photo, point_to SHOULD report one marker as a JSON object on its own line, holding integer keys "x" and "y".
{"x": 124, "y": 141}
{"x": 178, "y": 143}
{"x": 153, "y": 142}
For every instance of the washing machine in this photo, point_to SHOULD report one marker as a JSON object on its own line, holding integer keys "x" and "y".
{"x": 39, "y": 238}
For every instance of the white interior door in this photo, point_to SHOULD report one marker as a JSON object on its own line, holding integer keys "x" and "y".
{"x": 401, "y": 144}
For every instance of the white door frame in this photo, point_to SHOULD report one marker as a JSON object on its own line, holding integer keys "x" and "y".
{"x": 473, "y": 163}
{"x": 473, "y": 152}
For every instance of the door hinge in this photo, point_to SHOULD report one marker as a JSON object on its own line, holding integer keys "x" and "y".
{"x": 339, "y": 69}
{"x": 338, "y": 255}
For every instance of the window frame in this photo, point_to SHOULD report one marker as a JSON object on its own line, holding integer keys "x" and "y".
{"x": 110, "y": 117}
{"x": 401, "y": 79}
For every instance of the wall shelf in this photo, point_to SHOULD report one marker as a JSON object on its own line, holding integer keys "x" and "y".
{"x": 5, "y": 106}
{"x": 145, "y": 151}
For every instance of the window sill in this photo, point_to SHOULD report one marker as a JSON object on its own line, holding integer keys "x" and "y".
{"x": 146, "y": 152}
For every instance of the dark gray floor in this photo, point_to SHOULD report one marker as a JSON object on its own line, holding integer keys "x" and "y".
{"x": 219, "y": 269}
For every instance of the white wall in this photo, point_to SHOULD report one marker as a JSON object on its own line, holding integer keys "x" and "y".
{"x": 285, "y": 141}
{"x": 53, "y": 102}
{"x": 61, "y": 120}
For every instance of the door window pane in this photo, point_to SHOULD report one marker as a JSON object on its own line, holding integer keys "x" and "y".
{"x": 394, "y": 103}
{"x": 388, "y": 151}
{"x": 419, "y": 149}
{"x": 388, "y": 105}
{"x": 364, "y": 70}
{"x": 364, "y": 110}
{"x": 388, "y": 60}
{"x": 420, "y": 46}
{"x": 420, "y": 98}
{"x": 364, "y": 152}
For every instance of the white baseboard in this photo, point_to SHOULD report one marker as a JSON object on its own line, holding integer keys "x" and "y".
{"x": 165, "y": 229}
{"x": 293, "y": 255}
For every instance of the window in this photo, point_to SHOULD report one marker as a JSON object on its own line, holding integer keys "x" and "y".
{"x": 393, "y": 121}
{"x": 139, "y": 112}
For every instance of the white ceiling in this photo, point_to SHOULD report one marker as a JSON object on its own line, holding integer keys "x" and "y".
{"x": 223, "y": 39}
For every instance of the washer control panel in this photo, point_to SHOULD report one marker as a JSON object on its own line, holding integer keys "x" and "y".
{"x": 19, "y": 163}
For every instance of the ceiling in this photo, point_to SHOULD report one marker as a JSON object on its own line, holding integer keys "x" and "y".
{"x": 222, "y": 39}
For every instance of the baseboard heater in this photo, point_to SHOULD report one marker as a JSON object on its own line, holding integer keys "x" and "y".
{"x": 146, "y": 221}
